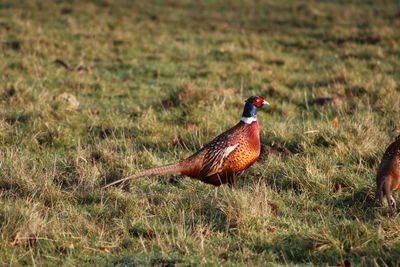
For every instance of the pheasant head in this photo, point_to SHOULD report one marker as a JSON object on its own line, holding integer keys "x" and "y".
{"x": 253, "y": 103}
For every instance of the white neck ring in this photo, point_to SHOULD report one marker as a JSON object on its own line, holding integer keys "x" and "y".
{"x": 248, "y": 120}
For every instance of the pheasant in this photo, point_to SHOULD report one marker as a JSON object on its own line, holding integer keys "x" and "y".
{"x": 388, "y": 177}
{"x": 223, "y": 159}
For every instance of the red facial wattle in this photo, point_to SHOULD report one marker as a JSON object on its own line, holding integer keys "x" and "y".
{"x": 258, "y": 102}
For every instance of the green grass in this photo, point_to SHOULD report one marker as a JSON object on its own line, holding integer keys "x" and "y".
{"x": 203, "y": 59}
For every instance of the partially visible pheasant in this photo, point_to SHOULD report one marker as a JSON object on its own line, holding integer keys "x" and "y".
{"x": 223, "y": 159}
{"x": 388, "y": 177}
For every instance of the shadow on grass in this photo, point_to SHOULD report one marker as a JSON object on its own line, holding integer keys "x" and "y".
{"x": 361, "y": 204}
{"x": 129, "y": 259}
{"x": 279, "y": 181}
{"x": 293, "y": 248}
{"x": 14, "y": 118}
{"x": 302, "y": 249}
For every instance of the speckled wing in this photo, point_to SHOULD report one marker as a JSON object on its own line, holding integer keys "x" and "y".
{"x": 217, "y": 152}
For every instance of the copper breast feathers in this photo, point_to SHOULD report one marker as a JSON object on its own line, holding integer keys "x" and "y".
{"x": 234, "y": 151}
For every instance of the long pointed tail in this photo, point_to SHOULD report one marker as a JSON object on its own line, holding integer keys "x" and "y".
{"x": 162, "y": 170}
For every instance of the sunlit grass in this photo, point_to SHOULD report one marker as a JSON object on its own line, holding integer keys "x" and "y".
{"x": 155, "y": 80}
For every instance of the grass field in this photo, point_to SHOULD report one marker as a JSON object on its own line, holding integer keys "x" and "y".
{"x": 155, "y": 80}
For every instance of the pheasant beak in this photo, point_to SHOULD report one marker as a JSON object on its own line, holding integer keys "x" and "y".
{"x": 265, "y": 103}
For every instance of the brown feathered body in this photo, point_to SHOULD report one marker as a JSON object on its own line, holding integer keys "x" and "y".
{"x": 225, "y": 157}
{"x": 388, "y": 176}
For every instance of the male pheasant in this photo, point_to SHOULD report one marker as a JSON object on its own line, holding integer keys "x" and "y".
{"x": 388, "y": 177}
{"x": 223, "y": 159}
